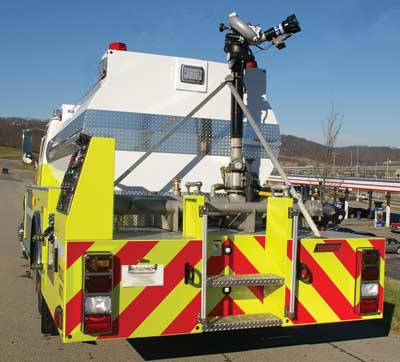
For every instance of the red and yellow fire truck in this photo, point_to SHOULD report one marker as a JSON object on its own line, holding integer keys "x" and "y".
{"x": 147, "y": 217}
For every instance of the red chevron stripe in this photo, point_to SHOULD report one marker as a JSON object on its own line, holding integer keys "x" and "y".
{"x": 75, "y": 250}
{"x": 226, "y": 306}
{"x": 289, "y": 249}
{"x": 258, "y": 291}
{"x": 346, "y": 255}
{"x": 261, "y": 240}
{"x": 237, "y": 261}
{"x": 381, "y": 298}
{"x": 327, "y": 289}
{"x": 73, "y": 312}
{"x": 187, "y": 319}
{"x": 130, "y": 254}
{"x": 379, "y": 244}
{"x": 239, "y": 264}
{"x": 303, "y": 316}
{"x": 145, "y": 303}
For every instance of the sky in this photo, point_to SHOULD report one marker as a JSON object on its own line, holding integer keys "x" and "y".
{"x": 347, "y": 55}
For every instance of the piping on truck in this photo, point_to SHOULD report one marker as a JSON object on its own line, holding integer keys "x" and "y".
{"x": 147, "y": 217}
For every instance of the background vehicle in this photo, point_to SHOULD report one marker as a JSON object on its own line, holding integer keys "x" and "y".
{"x": 395, "y": 227}
{"x": 392, "y": 245}
{"x": 363, "y": 196}
{"x": 342, "y": 229}
{"x": 354, "y": 211}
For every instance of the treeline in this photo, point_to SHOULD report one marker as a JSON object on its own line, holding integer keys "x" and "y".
{"x": 11, "y": 131}
{"x": 296, "y": 150}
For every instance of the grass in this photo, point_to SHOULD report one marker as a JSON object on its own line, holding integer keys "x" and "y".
{"x": 23, "y": 167}
{"x": 392, "y": 296}
{"x": 10, "y": 153}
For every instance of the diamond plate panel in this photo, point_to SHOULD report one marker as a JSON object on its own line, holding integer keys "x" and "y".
{"x": 243, "y": 321}
{"x": 140, "y": 131}
{"x": 244, "y": 280}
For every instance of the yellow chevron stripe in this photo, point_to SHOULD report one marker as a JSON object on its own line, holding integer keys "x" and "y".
{"x": 164, "y": 251}
{"x": 253, "y": 251}
{"x": 335, "y": 270}
{"x": 75, "y": 272}
{"x": 315, "y": 304}
{"x": 166, "y": 312}
{"x": 214, "y": 295}
{"x": 247, "y": 301}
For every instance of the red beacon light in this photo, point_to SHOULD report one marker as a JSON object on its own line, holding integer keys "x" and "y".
{"x": 118, "y": 46}
{"x": 251, "y": 64}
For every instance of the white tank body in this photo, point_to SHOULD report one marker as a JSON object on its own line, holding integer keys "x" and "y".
{"x": 140, "y": 97}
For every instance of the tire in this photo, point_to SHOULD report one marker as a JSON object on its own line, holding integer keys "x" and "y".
{"x": 37, "y": 286}
{"x": 47, "y": 326}
{"x": 32, "y": 256}
{"x": 398, "y": 251}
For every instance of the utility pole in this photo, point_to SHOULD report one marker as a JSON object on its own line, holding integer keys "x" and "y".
{"x": 358, "y": 164}
{"x": 351, "y": 163}
{"x": 387, "y": 167}
{"x": 334, "y": 163}
{"x": 387, "y": 221}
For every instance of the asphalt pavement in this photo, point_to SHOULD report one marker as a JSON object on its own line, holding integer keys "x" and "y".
{"x": 21, "y": 341}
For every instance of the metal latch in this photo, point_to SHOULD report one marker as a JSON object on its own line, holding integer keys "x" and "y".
{"x": 292, "y": 212}
{"x": 203, "y": 210}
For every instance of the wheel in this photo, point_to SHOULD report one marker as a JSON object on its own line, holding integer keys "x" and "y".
{"x": 398, "y": 251}
{"x": 47, "y": 325}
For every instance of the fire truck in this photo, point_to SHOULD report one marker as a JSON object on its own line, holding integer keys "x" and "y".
{"x": 149, "y": 215}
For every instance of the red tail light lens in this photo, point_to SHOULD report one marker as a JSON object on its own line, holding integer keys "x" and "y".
{"x": 370, "y": 273}
{"x": 98, "y": 287}
{"x": 58, "y": 317}
{"x": 369, "y": 288}
{"x": 98, "y": 324}
{"x": 369, "y": 305}
{"x": 98, "y": 284}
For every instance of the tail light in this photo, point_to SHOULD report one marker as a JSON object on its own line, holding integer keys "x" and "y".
{"x": 369, "y": 288}
{"x": 98, "y": 281}
{"x": 97, "y": 324}
{"x": 58, "y": 317}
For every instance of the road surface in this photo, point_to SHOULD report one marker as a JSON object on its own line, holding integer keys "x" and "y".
{"x": 21, "y": 341}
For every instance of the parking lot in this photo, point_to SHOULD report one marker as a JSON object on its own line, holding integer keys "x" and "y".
{"x": 21, "y": 341}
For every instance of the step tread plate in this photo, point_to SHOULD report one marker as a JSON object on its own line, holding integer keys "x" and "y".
{"x": 244, "y": 279}
{"x": 242, "y": 321}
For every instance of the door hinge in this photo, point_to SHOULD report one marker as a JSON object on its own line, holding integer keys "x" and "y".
{"x": 292, "y": 212}
{"x": 203, "y": 210}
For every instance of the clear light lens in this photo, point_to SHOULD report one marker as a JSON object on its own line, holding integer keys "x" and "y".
{"x": 97, "y": 305}
{"x": 192, "y": 74}
{"x": 369, "y": 289}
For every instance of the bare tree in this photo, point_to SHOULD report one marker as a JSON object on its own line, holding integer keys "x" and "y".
{"x": 331, "y": 129}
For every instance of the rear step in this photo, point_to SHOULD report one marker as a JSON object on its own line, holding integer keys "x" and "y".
{"x": 242, "y": 321}
{"x": 244, "y": 280}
